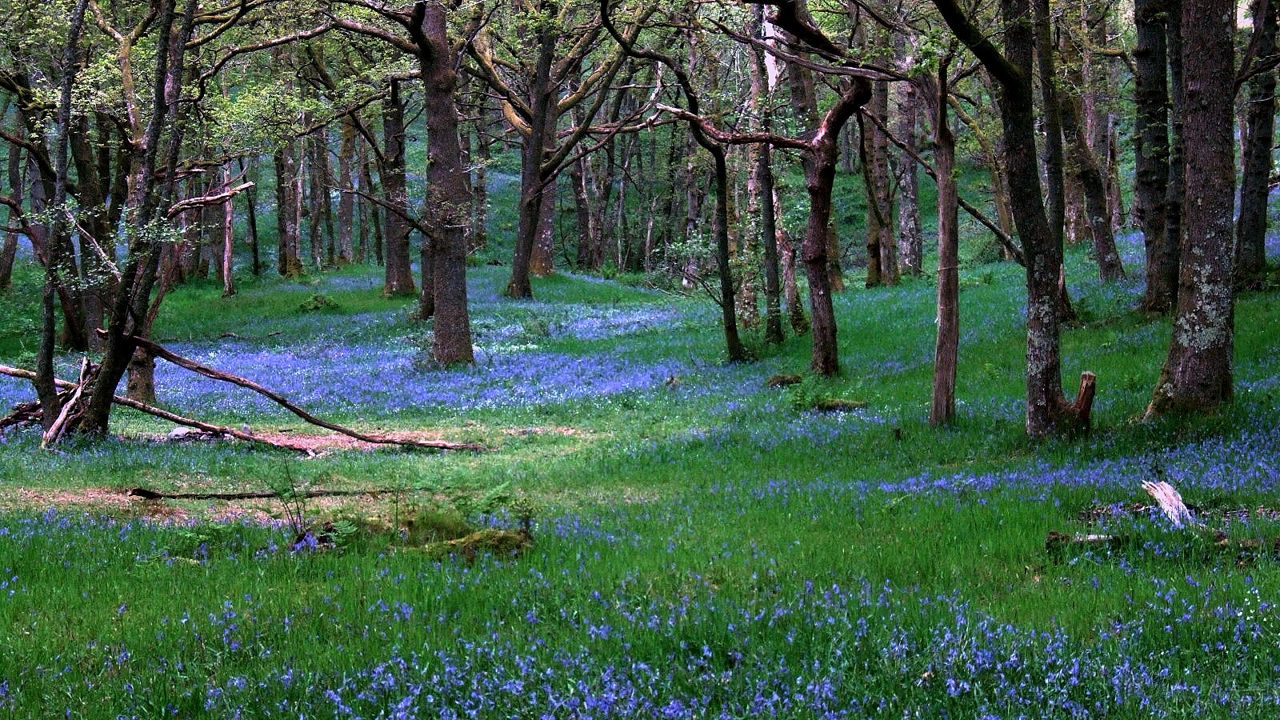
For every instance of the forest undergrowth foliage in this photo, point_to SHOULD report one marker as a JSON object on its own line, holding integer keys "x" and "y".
{"x": 703, "y": 545}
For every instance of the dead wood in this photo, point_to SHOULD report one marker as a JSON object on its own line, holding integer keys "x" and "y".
{"x": 1170, "y": 502}
{"x": 148, "y": 494}
{"x": 189, "y": 364}
{"x": 24, "y": 413}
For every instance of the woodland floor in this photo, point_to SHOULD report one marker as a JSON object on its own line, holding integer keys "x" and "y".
{"x": 703, "y": 545}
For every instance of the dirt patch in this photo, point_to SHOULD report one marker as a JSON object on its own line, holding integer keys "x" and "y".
{"x": 308, "y": 443}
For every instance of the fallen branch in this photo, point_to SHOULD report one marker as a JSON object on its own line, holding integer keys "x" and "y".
{"x": 189, "y": 364}
{"x": 148, "y": 494}
{"x": 54, "y": 433}
{"x": 158, "y": 412}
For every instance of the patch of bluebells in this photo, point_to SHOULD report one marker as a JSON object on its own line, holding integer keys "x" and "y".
{"x": 387, "y": 378}
{"x": 617, "y": 647}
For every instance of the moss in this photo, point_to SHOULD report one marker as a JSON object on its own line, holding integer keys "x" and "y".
{"x": 837, "y": 405}
{"x": 506, "y": 544}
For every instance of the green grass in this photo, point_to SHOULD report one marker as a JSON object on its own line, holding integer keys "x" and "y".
{"x": 705, "y": 501}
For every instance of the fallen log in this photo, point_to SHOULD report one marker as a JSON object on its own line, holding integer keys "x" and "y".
{"x": 213, "y": 374}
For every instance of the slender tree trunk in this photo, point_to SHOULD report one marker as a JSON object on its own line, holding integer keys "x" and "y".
{"x": 9, "y": 251}
{"x": 1051, "y": 118}
{"x": 804, "y": 99}
{"x": 910, "y": 235}
{"x": 582, "y": 213}
{"x": 95, "y": 236}
{"x": 791, "y": 289}
{"x": 1151, "y": 150}
{"x": 733, "y": 342}
{"x": 1251, "y": 228}
{"x": 1177, "y": 167}
{"x": 480, "y": 188}
{"x": 942, "y": 409}
{"x": 528, "y": 259}
{"x": 288, "y": 263}
{"x": 399, "y": 271}
{"x": 251, "y": 213}
{"x": 819, "y": 174}
{"x": 346, "y": 198}
{"x": 762, "y": 176}
{"x": 228, "y": 238}
{"x": 884, "y": 189}
{"x": 1089, "y": 177}
{"x": 1197, "y": 375}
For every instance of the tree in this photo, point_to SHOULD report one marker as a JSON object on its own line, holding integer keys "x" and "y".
{"x": 1047, "y": 409}
{"x": 422, "y": 33}
{"x": 1260, "y": 121}
{"x": 1197, "y": 374}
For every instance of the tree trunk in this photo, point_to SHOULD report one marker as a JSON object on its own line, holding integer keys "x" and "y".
{"x": 480, "y": 188}
{"x": 791, "y": 289}
{"x": 910, "y": 235}
{"x": 1151, "y": 151}
{"x": 228, "y": 238}
{"x": 1177, "y": 167}
{"x": 1197, "y": 375}
{"x": 884, "y": 189}
{"x": 1089, "y": 177}
{"x": 399, "y": 270}
{"x": 942, "y": 408}
{"x": 804, "y": 99}
{"x": 1251, "y": 228}
{"x": 448, "y": 199}
{"x": 533, "y": 149}
{"x": 95, "y": 236}
{"x": 251, "y": 213}
{"x": 1050, "y": 117}
{"x": 542, "y": 263}
{"x": 288, "y": 262}
{"x": 733, "y": 343}
{"x": 346, "y": 198}
{"x": 762, "y": 180}
{"x": 819, "y": 175}
{"x": 10, "y": 249}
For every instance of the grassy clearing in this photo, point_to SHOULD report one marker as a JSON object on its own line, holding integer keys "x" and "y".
{"x": 704, "y": 546}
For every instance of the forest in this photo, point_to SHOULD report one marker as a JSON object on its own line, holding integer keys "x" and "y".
{"x": 639, "y": 359}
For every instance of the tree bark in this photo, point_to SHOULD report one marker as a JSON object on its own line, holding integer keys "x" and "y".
{"x": 910, "y": 235}
{"x": 398, "y": 278}
{"x": 1047, "y": 408}
{"x": 1197, "y": 375}
{"x": 1251, "y": 228}
{"x": 535, "y": 144}
{"x": 228, "y": 238}
{"x": 1098, "y": 212}
{"x": 1051, "y": 118}
{"x": 251, "y": 214}
{"x": 288, "y": 262}
{"x": 1177, "y": 167}
{"x": 1151, "y": 151}
{"x": 346, "y": 198}
{"x": 9, "y": 251}
{"x": 942, "y": 407}
{"x": 448, "y": 199}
